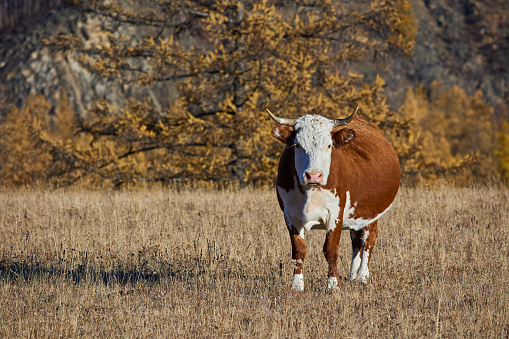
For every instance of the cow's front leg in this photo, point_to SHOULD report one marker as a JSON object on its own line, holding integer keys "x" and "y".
{"x": 330, "y": 250}
{"x": 369, "y": 235}
{"x": 298, "y": 255}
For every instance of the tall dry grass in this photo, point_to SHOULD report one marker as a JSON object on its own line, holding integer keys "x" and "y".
{"x": 196, "y": 263}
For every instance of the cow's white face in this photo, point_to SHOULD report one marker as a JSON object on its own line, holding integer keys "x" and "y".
{"x": 313, "y": 147}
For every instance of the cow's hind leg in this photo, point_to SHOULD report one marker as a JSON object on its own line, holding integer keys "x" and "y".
{"x": 298, "y": 255}
{"x": 369, "y": 234}
{"x": 330, "y": 250}
{"x": 356, "y": 237}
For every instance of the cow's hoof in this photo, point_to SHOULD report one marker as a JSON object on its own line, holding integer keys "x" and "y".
{"x": 352, "y": 276}
{"x": 298, "y": 282}
{"x": 363, "y": 277}
{"x": 332, "y": 284}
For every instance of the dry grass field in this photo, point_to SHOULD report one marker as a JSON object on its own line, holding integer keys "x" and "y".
{"x": 197, "y": 263}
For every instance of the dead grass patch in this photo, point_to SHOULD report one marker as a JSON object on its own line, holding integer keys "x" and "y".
{"x": 197, "y": 263}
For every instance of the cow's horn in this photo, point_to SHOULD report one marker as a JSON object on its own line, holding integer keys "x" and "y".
{"x": 282, "y": 121}
{"x": 341, "y": 122}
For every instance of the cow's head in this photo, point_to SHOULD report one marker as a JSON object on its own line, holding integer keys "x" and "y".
{"x": 313, "y": 137}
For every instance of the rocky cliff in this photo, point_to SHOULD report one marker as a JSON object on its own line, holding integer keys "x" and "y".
{"x": 463, "y": 43}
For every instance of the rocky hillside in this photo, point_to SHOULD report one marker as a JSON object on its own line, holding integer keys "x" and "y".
{"x": 463, "y": 43}
{"x": 28, "y": 67}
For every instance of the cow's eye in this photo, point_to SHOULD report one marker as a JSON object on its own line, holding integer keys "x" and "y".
{"x": 329, "y": 147}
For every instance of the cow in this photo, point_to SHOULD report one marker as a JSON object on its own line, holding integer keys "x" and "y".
{"x": 334, "y": 174}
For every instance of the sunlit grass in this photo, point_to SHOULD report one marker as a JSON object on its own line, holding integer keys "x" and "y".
{"x": 167, "y": 263}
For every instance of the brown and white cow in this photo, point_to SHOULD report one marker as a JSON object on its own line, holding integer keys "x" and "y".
{"x": 334, "y": 178}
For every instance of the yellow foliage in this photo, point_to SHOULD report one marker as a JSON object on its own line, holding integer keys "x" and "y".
{"x": 64, "y": 121}
{"x": 503, "y": 150}
{"x": 227, "y": 61}
{"x": 23, "y": 162}
{"x": 455, "y": 134}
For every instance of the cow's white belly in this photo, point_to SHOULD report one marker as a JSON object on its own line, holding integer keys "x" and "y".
{"x": 356, "y": 224}
{"x": 319, "y": 208}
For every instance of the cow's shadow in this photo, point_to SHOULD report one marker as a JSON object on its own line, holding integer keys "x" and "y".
{"x": 29, "y": 271}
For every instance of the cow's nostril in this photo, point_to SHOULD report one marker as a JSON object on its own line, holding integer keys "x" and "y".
{"x": 314, "y": 177}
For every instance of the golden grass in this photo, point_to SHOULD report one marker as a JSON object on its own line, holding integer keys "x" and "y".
{"x": 196, "y": 263}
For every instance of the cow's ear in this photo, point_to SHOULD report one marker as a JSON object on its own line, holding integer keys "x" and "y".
{"x": 343, "y": 136}
{"x": 281, "y": 133}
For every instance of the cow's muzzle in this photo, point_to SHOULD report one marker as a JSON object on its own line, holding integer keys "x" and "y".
{"x": 313, "y": 178}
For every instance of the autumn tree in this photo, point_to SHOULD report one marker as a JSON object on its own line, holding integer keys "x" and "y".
{"x": 502, "y": 150}
{"x": 225, "y": 61}
{"x": 456, "y": 135}
{"x": 24, "y": 161}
